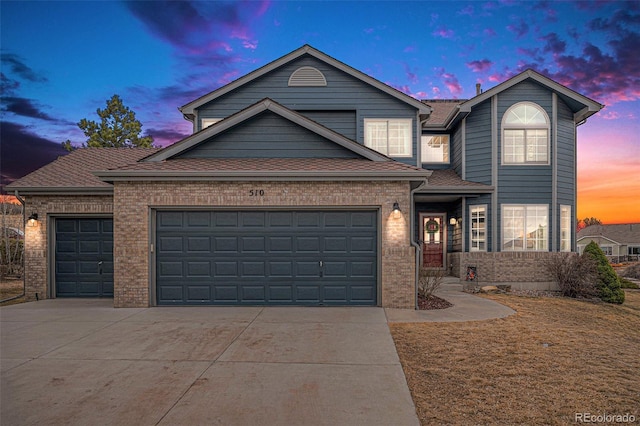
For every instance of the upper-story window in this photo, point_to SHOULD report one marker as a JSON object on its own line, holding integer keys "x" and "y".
{"x": 392, "y": 137}
{"x": 525, "y": 140}
{"x": 435, "y": 148}
{"x": 206, "y": 122}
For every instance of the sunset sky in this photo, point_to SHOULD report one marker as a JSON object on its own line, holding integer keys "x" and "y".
{"x": 62, "y": 60}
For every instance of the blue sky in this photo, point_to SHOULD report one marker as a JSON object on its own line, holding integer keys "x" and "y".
{"x": 62, "y": 60}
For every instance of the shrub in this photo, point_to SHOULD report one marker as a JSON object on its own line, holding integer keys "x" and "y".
{"x": 632, "y": 271}
{"x": 576, "y": 275}
{"x": 429, "y": 280}
{"x": 625, "y": 283}
{"x": 608, "y": 283}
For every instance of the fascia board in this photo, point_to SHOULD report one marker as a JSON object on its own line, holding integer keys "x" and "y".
{"x": 114, "y": 176}
{"x": 598, "y": 236}
{"x": 34, "y": 190}
{"x": 189, "y": 109}
{"x": 454, "y": 189}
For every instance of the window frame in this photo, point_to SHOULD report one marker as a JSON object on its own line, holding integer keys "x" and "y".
{"x": 526, "y": 129}
{"x": 447, "y": 150}
{"x": 211, "y": 122}
{"x": 387, "y": 121}
{"x": 565, "y": 228}
{"x": 536, "y": 243}
{"x": 473, "y": 219}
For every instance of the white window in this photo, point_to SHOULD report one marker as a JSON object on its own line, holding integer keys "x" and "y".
{"x": 525, "y": 227}
{"x": 525, "y": 136}
{"x": 435, "y": 148}
{"x": 478, "y": 229}
{"x": 389, "y": 137}
{"x": 607, "y": 250}
{"x": 565, "y": 228}
{"x": 206, "y": 122}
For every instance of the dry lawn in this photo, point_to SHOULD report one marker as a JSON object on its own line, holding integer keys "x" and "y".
{"x": 9, "y": 288}
{"x": 554, "y": 358}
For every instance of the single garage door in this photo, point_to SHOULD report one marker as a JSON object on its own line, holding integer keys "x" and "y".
{"x": 266, "y": 257}
{"x": 84, "y": 257}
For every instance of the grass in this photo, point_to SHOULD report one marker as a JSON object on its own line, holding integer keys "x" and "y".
{"x": 9, "y": 288}
{"x": 556, "y": 357}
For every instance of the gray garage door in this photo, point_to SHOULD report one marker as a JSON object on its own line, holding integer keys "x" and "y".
{"x": 84, "y": 257}
{"x": 266, "y": 257}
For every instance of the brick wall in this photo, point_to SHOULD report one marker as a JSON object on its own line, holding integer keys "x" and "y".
{"x": 36, "y": 253}
{"x": 523, "y": 270}
{"x": 133, "y": 200}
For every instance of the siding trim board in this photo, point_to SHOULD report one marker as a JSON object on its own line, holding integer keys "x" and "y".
{"x": 495, "y": 146}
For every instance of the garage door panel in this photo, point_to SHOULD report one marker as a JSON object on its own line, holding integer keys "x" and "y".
{"x": 168, "y": 220}
{"x": 267, "y": 257}
{"x": 83, "y": 257}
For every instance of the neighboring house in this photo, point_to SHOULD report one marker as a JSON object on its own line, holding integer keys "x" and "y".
{"x": 618, "y": 242}
{"x": 308, "y": 182}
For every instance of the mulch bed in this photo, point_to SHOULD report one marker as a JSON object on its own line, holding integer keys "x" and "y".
{"x": 432, "y": 302}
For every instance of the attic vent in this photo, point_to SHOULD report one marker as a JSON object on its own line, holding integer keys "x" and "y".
{"x": 307, "y": 76}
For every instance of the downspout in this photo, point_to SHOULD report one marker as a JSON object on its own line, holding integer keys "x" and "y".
{"x": 24, "y": 219}
{"x": 412, "y": 239}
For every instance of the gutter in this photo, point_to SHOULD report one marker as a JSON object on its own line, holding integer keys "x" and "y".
{"x": 24, "y": 219}
{"x": 412, "y": 239}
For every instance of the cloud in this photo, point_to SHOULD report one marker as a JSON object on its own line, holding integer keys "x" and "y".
{"x": 28, "y": 108}
{"x": 166, "y": 136}
{"x": 520, "y": 28}
{"x": 553, "y": 44}
{"x": 489, "y": 32}
{"x": 468, "y": 10}
{"x": 450, "y": 81}
{"x": 444, "y": 32}
{"x": 479, "y": 66}
{"x": 17, "y": 142}
{"x": 411, "y": 76}
{"x": 18, "y": 67}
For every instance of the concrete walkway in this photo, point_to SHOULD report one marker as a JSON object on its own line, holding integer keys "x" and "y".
{"x": 81, "y": 362}
{"x": 466, "y": 307}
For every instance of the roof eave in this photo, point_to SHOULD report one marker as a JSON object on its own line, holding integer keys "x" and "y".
{"x": 455, "y": 190}
{"x": 79, "y": 190}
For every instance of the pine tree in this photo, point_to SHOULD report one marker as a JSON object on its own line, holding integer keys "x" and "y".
{"x": 118, "y": 127}
{"x": 608, "y": 283}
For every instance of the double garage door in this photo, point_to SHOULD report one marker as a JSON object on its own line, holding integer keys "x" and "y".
{"x": 266, "y": 257}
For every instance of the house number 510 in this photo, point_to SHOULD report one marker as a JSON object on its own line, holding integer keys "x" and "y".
{"x": 256, "y": 192}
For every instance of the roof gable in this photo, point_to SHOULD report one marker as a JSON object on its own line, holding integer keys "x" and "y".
{"x": 628, "y": 233}
{"x": 583, "y": 107}
{"x": 322, "y": 135}
{"x": 189, "y": 109}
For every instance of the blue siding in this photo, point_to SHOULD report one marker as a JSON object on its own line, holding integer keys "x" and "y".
{"x": 522, "y": 183}
{"x": 456, "y": 150}
{"x": 478, "y": 144}
{"x": 343, "y": 93}
{"x": 268, "y": 135}
{"x": 343, "y": 122}
{"x": 566, "y": 155}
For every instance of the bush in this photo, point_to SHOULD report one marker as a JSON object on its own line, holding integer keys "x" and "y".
{"x": 625, "y": 283}
{"x": 576, "y": 275}
{"x": 632, "y": 271}
{"x": 608, "y": 283}
{"x": 429, "y": 280}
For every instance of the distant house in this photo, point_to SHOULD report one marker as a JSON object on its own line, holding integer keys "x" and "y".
{"x": 308, "y": 182}
{"x": 618, "y": 242}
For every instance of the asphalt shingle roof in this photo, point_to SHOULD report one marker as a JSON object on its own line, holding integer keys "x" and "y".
{"x": 74, "y": 169}
{"x": 442, "y": 109}
{"x": 627, "y": 233}
{"x": 449, "y": 178}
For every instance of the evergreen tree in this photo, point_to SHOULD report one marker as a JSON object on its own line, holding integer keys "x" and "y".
{"x": 118, "y": 127}
{"x": 608, "y": 283}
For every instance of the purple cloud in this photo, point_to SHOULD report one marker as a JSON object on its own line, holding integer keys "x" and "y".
{"x": 450, "y": 81}
{"x": 18, "y": 67}
{"x": 489, "y": 32}
{"x": 17, "y": 142}
{"x": 411, "y": 76}
{"x": 28, "y": 108}
{"x": 166, "y": 136}
{"x": 520, "y": 28}
{"x": 479, "y": 66}
{"x": 468, "y": 10}
{"x": 444, "y": 32}
{"x": 553, "y": 44}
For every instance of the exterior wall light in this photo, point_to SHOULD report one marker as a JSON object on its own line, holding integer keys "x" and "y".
{"x": 453, "y": 221}
{"x": 33, "y": 219}
{"x": 396, "y": 207}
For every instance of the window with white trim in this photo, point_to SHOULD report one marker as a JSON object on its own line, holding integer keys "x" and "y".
{"x": 525, "y": 227}
{"x": 525, "y": 135}
{"x": 206, "y": 122}
{"x": 392, "y": 137}
{"x": 435, "y": 148}
{"x": 478, "y": 229}
{"x": 607, "y": 250}
{"x": 565, "y": 228}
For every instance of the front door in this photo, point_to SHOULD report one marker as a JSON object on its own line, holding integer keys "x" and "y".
{"x": 433, "y": 240}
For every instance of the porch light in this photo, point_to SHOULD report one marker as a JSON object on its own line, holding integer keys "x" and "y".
{"x": 453, "y": 221}
{"x": 396, "y": 207}
{"x": 33, "y": 219}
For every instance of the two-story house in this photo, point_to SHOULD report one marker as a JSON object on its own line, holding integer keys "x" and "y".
{"x": 308, "y": 182}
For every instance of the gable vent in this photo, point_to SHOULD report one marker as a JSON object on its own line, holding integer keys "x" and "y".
{"x": 307, "y": 76}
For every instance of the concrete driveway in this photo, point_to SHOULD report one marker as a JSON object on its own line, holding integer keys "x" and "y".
{"x": 83, "y": 362}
